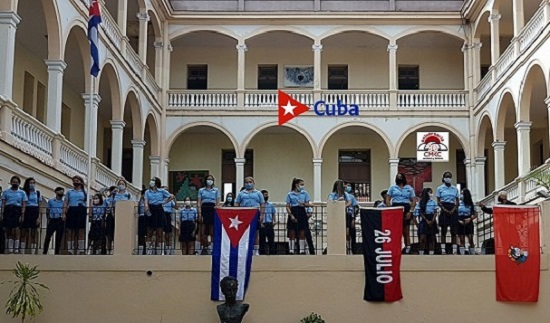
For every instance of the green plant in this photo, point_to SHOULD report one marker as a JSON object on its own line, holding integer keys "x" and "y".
{"x": 541, "y": 178}
{"x": 312, "y": 318}
{"x": 24, "y": 299}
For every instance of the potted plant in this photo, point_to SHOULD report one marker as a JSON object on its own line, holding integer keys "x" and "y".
{"x": 24, "y": 299}
{"x": 312, "y": 318}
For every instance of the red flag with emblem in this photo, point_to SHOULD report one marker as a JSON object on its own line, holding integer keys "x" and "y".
{"x": 289, "y": 108}
{"x": 517, "y": 253}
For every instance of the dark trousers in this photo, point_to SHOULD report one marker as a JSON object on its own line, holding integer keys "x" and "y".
{"x": 2, "y": 237}
{"x": 267, "y": 233}
{"x": 57, "y": 226}
{"x": 309, "y": 240}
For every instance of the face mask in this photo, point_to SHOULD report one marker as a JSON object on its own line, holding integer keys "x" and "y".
{"x": 187, "y": 203}
{"x": 348, "y": 189}
{"x": 31, "y": 186}
{"x": 266, "y": 198}
{"x": 431, "y": 195}
{"x": 249, "y": 186}
{"x": 209, "y": 182}
{"x": 229, "y": 199}
{"x": 301, "y": 188}
{"x": 60, "y": 195}
{"x": 399, "y": 181}
{"x": 447, "y": 180}
{"x": 152, "y": 183}
{"x": 14, "y": 186}
{"x": 76, "y": 184}
{"x": 122, "y": 187}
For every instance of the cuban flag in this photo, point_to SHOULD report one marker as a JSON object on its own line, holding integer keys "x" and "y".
{"x": 234, "y": 234}
{"x": 93, "y": 30}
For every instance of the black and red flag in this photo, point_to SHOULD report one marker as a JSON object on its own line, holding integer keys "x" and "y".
{"x": 517, "y": 253}
{"x": 382, "y": 229}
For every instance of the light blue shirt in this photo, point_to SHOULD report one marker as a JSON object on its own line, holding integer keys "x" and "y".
{"x": 401, "y": 195}
{"x": 156, "y": 197}
{"x": 188, "y": 214}
{"x": 169, "y": 207}
{"x": 98, "y": 213}
{"x": 209, "y": 195}
{"x": 269, "y": 213}
{"x": 15, "y": 198}
{"x": 56, "y": 208}
{"x": 33, "y": 198}
{"x": 334, "y": 196}
{"x": 382, "y": 204}
{"x": 76, "y": 197}
{"x": 431, "y": 207}
{"x": 447, "y": 194}
{"x": 126, "y": 196}
{"x": 464, "y": 211}
{"x": 253, "y": 198}
{"x": 294, "y": 199}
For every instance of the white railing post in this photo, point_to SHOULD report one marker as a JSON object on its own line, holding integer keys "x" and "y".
{"x": 6, "y": 116}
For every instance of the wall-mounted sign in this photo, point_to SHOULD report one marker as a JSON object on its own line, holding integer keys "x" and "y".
{"x": 432, "y": 146}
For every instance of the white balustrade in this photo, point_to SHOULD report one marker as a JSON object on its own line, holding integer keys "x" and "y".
{"x": 104, "y": 176}
{"x": 73, "y": 159}
{"x": 505, "y": 61}
{"x": 431, "y": 99}
{"x": 484, "y": 86}
{"x": 32, "y": 137}
{"x": 151, "y": 83}
{"x": 533, "y": 28}
{"x": 269, "y": 99}
{"x": 362, "y": 99}
{"x": 111, "y": 29}
{"x": 205, "y": 99}
{"x": 133, "y": 60}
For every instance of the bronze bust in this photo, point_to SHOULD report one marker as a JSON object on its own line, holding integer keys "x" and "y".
{"x": 231, "y": 311}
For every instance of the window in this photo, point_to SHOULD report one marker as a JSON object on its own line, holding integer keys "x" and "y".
{"x": 267, "y": 77}
{"x": 229, "y": 171}
{"x": 41, "y": 102}
{"x": 28, "y": 93}
{"x": 197, "y": 77}
{"x": 484, "y": 69}
{"x": 337, "y": 77}
{"x": 354, "y": 167}
{"x": 409, "y": 77}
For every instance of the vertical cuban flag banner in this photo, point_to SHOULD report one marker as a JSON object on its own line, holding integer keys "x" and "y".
{"x": 93, "y": 30}
{"x": 382, "y": 229}
{"x": 517, "y": 253}
{"x": 234, "y": 235}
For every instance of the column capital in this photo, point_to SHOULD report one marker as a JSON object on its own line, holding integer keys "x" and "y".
{"x": 143, "y": 16}
{"x": 317, "y": 47}
{"x": 138, "y": 144}
{"x": 117, "y": 124}
{"x": 158, "y": 44}
{"x": 317, "y": 161}
{"x": 480, "y": 161}
{"x": 95, "y": 98}
{"x": 394, "y": 160}
{"x": 466, "y": 47}
{"x": 240, "y": 161}
{"x": 154, "y": 159}
{"x": 498, "y": 145}
{"x": 169, "y": 47}
{"x": 467, "y": 161}
{"x": 494, "y": 17}
{"x": 241, "y": 48}
{"x": 55, "y": 65}
{"x": 477, "y": 45}
{"x": 523, "y": 125}
{"x": 392, "y": 48}
{"x": 166, "y": 161}
{"x": 9, "y": 18}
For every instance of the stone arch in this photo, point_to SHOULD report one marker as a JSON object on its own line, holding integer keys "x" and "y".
{"x": 219, "y": 30}
{"x": 258, "y": 129}
{"x": 157, "y": 26}
{"x": 153, "y": 132}
{"x": 463, "y": 141}
{"x": 505, "y": 99}
{"x": 483, "y": 16}
{"x": 267, "y": 29}
{"x": 365, "y": 125}
{"x": 53, "y": 24}
{"x": 111, "y": 73}
{"x": 79, "y": 23}
{"x": 77, "y": 26}
{"x": 174, "y": 136}
{"x": 421, "y": 29}
{"x": 535, "y": 71}
{"x": 367, "y": 29}
{"x": 133, "y": 98}
{"x": 483, "y": 124}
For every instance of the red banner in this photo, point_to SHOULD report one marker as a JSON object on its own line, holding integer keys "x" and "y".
{"x": 517, "y": 253}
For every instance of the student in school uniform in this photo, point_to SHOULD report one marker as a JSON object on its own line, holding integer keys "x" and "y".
{"x": 14, "y": 201}
{"x": 75, "y": 215}
{"x": 97, "y": 224}
{"x": 56, "y": 221}
{"x": 251, "y": 197}
{"x": 382, "y": 203}
{"x": 31, "y": 220}
{"x": 229, "y": 200}
{"x": 169, "y": 209}
{"x": 155, "y": 198}
{"x": 403, "y": 195}
{"x": 267, "y": 232}
{"x": 425, "y": 219}
{"x": 448, "y": 199}
{"x": 296, "y": 202}
{"x": 142, "y": 224}
{"x": 208, "y": 198}
{"x": 351, "y": 213}
{"x": 466, "y": 215}
{"x": 188, "y": 226}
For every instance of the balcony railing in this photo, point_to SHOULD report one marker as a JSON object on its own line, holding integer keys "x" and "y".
{"x": 367, "y": 99}
{"x": 431, "y": 99}
{"x": 202, "y": 99}
{"x": 262, "y": 99}
{"x": 31, "y": 137}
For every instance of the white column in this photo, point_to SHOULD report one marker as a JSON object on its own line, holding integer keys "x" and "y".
{"x": 55, "y": 93}
{"x": 466, "y": 52}
{"x": 469, "y": 171}
{"x": 241, "y": 63}
{"x": 159, "y": 45}
{"x": 394, "y": 165}
{"x": 547, "y": 101}
{"x": 142, "y": 47}
{"x": 117, "y": 129}
{"x": 518, "y": 16}
{"x": 494, "y": 19}
{"x": 91, "y": 104}
{"x": 137, "y": 167}
{"x": 317, "y": 49}
{"x": 500, "y": 179}
{"x": 122, "y": 15}
{"x": 480, "y": 177}
{"x": 8, "y": 27}
{"x": 317, "y": 179}
{"x": 524, "y": 148}
{"x": 155, "y": 166}
{"x": 239, "y": 171}
{"x": 165, "y": 168}
{"x": 476, "y": 63}
{"x": 392, "y": 50}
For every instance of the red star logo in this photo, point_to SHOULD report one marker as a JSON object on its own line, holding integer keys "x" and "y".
{"x": 289, "y": 108}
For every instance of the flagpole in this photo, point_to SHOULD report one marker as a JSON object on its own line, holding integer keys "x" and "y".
{"x": 90, "y": 142}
